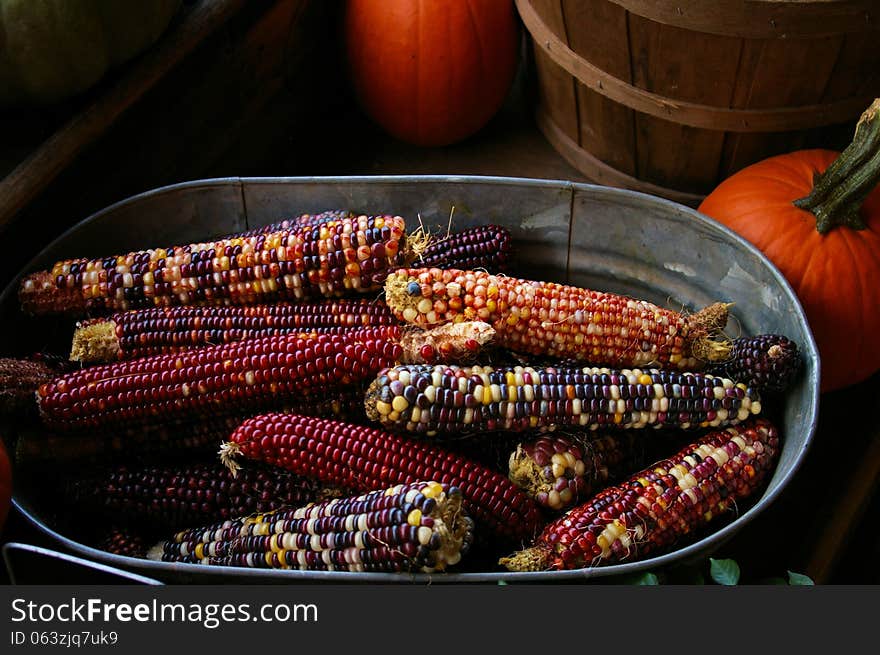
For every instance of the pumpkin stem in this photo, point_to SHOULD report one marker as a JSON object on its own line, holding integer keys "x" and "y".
{"x": 839, "y": 192}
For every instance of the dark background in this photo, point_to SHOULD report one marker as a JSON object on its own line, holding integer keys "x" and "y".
{"x": 263, "y": 92}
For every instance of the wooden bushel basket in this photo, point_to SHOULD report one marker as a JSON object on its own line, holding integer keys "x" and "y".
{"x": 672, "y": 96}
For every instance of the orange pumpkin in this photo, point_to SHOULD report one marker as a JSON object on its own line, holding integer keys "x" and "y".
{"x": 431, "y": 72}
{"x": 816, "y": 215}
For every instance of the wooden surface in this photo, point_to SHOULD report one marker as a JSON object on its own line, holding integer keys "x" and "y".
{"x": 824, "y": 524}
{"x": 667, "y": 104}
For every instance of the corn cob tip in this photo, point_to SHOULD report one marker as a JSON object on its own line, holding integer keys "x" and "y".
{"x": 451, "y": 342}
{"x": 95, "y": 341}
{"x": 155, "y": 552}
{"x": 536, "y": 558}
{"x": 228, "y": 451}
{"x": 414, "y": 243}
{"x": 707, "y": 342}
{"x": 38, "y": 294}
{"x": 525, "y": 473}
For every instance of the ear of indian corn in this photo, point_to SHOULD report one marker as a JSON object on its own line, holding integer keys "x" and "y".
{"x": 362, "y": 458}
{"x": 173, "y": 497}
{"x": 227, "y": 379}
{"x": 161, "y": 442}
{"x": 426, "y": 400}
{"x": 121, "y": 541}
{"x": 561, "y": 470}
{"x": 160, "y": 330}
{"x": 767, "y": 362}
{"x": 418, "y": 527}
{"x": 546, "y": 318}
{"x": 658, "y": 507}
{"x": 338, "y": 257}
{"x": 19, "y": 379}
{"x": 482, "y": 246}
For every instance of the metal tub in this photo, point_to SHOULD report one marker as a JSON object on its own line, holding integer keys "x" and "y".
{"x": 604, "y": 238}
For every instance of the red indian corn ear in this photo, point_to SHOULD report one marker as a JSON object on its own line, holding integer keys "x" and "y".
{"x": 333, "y": 259}
{"x": 160, "y": 330}
{"x": 362, "y": 458}
{"x": 545, "y": 318}
{"x": 406, "y": 528}
{"x": 232, "y": 378}
{"x": 424, "y": 400}
{"x": 660, "y": 506}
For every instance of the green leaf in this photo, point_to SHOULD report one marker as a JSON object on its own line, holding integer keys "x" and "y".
{"x": 502, "y": 583}
{"x": 724, "y": 571}
{"x": 799, "y": 579}
{"x": 647, "y": 578}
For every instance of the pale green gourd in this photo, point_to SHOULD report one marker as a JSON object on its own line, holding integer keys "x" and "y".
{"x": 51, "y": 50}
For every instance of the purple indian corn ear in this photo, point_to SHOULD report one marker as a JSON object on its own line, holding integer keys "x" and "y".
{"x": 363, "y": 458}
{"x": 333, "y": 259}
{"x": 658, "y": 507}
{"x": 165, "y": 441}
{"x": 419, "y": 527}
{"x": 172, "y": 497}
{"x": 561, "y": 470}
{"x": 482, "y": 246}
{"x": 545, "y": 318}
{"x": 767, "y": 362}
{"x": 19, "y": 380}
{"x": 235, "y": 378}
{"x": 424, "y": 400}
{"x": 161, "y": 330}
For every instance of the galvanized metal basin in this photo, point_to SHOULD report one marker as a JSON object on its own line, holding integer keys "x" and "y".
{"x": 597, "y": 237}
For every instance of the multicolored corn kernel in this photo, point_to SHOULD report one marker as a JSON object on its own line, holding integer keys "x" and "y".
{"x": 560, "y": 470}
{"x": 171, "y": 497}
{"x": 662, "y": 505}
{"x": 482, "y": 246}
{"x": 767, "y": 362}
{"x": 424, "y": 400}
{"x": 303, "y": 220}
{"x": 545, "y": 318}
{"x": 236, "y": 378}
{"x": 417, "y": 527}
{"x": 335, "y": 258}
{"x": 162, "y": 330}
{"x": 362, "y": 458}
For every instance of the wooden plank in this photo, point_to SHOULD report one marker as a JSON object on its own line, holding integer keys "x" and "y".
{"x": 35, "y": 173}
{"x": 597, "y": 31}
{"x": 681, "y": 65}
{"x": 762, "y": 19}
{"x": 765, "y": 79}
{"x": 556, "y": 87}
